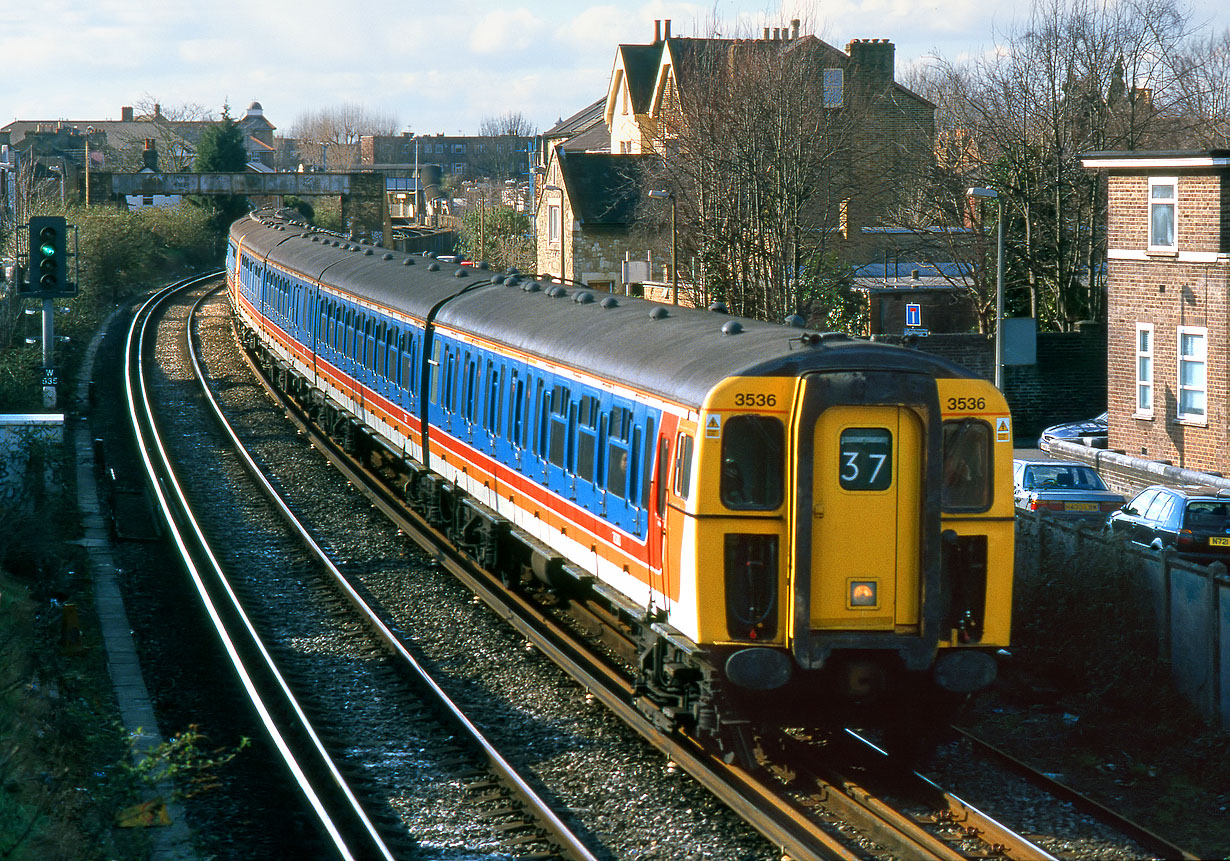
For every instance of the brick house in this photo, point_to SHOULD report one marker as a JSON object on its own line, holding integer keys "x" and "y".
{"x": 894, "y": 138}
{"x": 1168, "y": 276}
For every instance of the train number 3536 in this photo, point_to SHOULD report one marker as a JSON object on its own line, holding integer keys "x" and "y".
{"x": 967, "y": 403}
{"x": 755, "y": 399}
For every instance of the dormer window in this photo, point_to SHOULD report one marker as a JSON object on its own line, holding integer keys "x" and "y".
{"x": 1163, "y": 196}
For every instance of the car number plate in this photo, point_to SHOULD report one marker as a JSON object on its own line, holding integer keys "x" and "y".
{"x": 1080, "y": 506}
{"x": 1219, "y": 541}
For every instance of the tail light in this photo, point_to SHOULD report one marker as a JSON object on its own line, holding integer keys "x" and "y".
{"x": 1186, "y": 539}
{"x": 1045, "y": 505}
{"x": 751, "y": 586}
{"x": 1111, "y": 506}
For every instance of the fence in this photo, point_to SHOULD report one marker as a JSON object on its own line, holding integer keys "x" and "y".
{"x": 1188, "y": 604}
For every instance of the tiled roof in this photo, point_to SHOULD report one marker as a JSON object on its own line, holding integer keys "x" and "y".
{"x": 604, "y": 188}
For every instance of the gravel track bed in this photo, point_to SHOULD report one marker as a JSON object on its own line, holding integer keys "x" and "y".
{"x": 584, "y": 758}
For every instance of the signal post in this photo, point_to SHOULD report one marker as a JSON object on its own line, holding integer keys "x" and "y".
{"x": 47, "y": 279}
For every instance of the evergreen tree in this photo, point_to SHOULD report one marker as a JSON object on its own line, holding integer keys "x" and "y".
{"x": 220, "y": 149}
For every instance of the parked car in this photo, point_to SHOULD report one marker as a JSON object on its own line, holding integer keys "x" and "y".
{"x": 1193, "y": 520}
{"x": 1090, "y": 432}
{"x": 1063, "y": 489}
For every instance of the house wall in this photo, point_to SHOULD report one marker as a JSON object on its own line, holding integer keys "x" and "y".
{"x": 1187, "y": 288}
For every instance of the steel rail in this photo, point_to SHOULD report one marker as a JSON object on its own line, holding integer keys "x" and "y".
{"x": 173, "y": 504}
{"x": 789, "y": 826}
{"x": 571, "y": 845}
{"x": 1149, "y": 840}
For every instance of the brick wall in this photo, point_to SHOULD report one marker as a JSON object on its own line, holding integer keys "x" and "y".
{"x": 1067, "y": 383}
{"x": 1184, "y": 288}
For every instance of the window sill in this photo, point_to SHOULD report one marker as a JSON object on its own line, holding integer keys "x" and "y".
{"x": 1162, "y": 252}
{"x": 1144, "y": 417}
{"x": 1194, "y": 423}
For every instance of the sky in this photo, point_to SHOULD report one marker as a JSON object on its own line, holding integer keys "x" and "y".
{"x": 433, "y": 67}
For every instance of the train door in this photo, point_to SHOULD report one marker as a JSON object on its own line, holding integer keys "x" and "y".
{"x": 865, "y": 522}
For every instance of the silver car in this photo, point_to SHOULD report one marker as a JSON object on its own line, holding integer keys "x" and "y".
{"x": 1062, "y": 489}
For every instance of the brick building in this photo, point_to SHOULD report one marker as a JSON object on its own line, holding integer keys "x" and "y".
{"x": 891, "y": 142}
{"x": 1168, "y": 276}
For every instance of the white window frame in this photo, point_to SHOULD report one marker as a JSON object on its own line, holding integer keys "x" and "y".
{"x": 1172, "y": 202}
{"x": 553, "y": 223}
{"x": 1144, "y": 379}
{"x": 1201, "y": 359}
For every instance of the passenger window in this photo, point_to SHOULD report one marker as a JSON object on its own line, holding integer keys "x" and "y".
{"x": 1141, "y": 503}
{"x": 683, "y": 465}
{"x": 664, "y": 453}
{"x": 968, "y": 467}
{"x": 647, "y": 465}
{"x": 753, "y": 462}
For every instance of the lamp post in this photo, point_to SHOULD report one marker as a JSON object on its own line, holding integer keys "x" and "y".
{"x": 662, "y": 194}
{"x": 992, "y": 194}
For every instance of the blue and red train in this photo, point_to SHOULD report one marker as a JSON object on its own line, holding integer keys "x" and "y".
{"x": 777, "y": 525}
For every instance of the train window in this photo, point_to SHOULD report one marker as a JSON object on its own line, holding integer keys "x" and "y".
{"x": 753, "y": 462}
{"x": 348, "y": 334}
{"x": 683, "y": 465}
{"x": 617, "y": 470}
{"x": 967, "y": 466}
{"x": 381, "y": 354}
{"x": 369, "y": 345}
{"x": 558, "y": 442}
{"x": 514, "y": 408}
{"x": 664, "y": 453}
{"x": 471, "y": 388}
{"x": 647, "y": 464}
{"x": 587, "y": 441}
{"x": 434, "y": 363}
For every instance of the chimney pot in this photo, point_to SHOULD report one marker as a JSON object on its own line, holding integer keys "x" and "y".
{"x": 794, "y": 28}
{"x": 657, "y": 30}
{"x": 666, "y": 28}
{"x": 766, "y": 34}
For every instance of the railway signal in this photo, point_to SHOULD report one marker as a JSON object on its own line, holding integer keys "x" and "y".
{"x": 47, "y": 273}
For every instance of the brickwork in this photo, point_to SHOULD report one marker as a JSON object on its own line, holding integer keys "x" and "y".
{"x": 1068, "y": 382}
{"x": 1184, "y": 288}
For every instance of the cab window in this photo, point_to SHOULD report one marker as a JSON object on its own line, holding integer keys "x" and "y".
{"x": 967, "y": 469}
{"x": 683, "y": 465}
{"x": 753, "y": 462}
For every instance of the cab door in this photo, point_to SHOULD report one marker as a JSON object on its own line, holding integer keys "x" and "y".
{"x": 866, "y": 514}
{"x": 865, "y": 518}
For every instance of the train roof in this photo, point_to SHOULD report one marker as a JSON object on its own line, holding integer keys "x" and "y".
{"x": 677, "y": 353}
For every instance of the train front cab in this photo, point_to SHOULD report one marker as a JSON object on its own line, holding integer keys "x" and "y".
{"x": 880, "y": 565}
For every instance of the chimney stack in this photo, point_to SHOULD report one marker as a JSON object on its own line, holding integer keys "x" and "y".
{"x": 794, "y": 29}
{"x": 666, "y": 28}
{"x": 657, "y": 30}
{"x": 149, "y": 156}
{"x": 871, "y": 61}
{"x": 126, "y": 114}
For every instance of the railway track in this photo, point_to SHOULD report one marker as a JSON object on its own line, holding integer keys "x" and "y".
{"x": 797, "y": 800}
{"x": 800, "y": 800}
{"x": 280, "y": 677}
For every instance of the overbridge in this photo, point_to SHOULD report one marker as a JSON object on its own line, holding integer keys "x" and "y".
{"x": 362, "y": 194}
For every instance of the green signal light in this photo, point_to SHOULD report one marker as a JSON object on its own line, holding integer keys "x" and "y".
{"x": 47, "y": 249}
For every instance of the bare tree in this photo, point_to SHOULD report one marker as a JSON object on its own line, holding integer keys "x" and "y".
{"x": 1203, "y": 74}
{"x": 1078, "y": 76}
{"x": 769, "y": 169}
{"x": 509, "y": 123}
{"x": 343, "y": 124}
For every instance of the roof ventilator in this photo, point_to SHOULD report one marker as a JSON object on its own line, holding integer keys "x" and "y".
{"x": 367, "y": 252}
{"x": 387, "y": 256}
{"x": 583, "y": 298}
{"x": 732, "y": 327}
{"x": 659, "y": 314}
{"x": 409, "y": 261}
{"x": 532, "y": 287}
{"x": 794, "y": 321}
{"x": 610, "y": 302}
{"x": 718, "y": 308}
{"x": 461, "y": 273}
{"x": 433, "y": 267}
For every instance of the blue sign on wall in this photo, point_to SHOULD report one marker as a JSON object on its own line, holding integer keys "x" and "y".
{"x": 913, "y": 315}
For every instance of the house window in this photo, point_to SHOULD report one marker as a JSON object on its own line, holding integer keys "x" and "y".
{"x": 459, "y": 167}
{"x": 1193, "y": 361}
{"x": 843, "y": 217}
{"x": 553, "y": 223}
{"x": 1144, "y": 369}
{"x": 459, "y": 148}
{"x": 833, "y": 85}
{"x": 1162, "y": 199}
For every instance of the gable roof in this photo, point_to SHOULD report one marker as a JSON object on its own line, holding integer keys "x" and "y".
{"x": 603, "y": 188}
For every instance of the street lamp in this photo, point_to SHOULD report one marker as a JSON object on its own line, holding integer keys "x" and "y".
{"x": 992, "y": 194}
{"x": 662, "y": 194}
